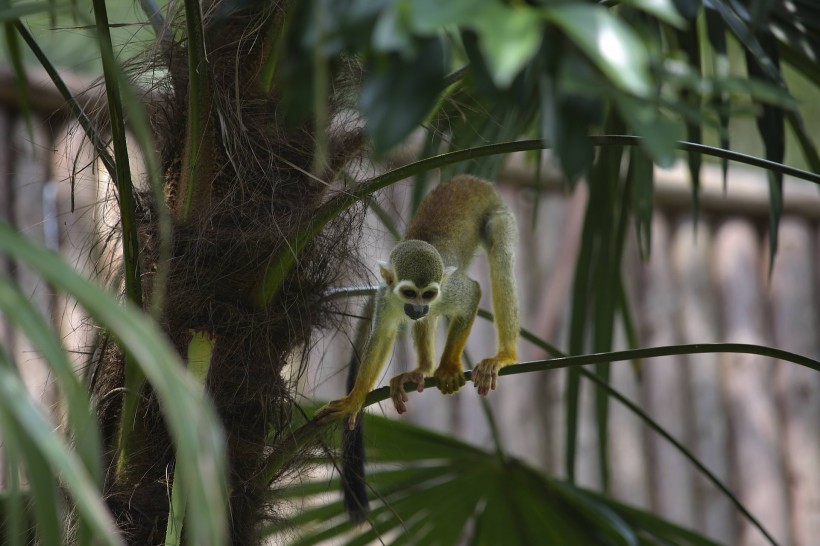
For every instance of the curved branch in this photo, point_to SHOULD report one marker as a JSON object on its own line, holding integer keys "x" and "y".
{"x": 383, "y": 393}
{"x": 305, "y": 434}
{"x": 629, "y": 140}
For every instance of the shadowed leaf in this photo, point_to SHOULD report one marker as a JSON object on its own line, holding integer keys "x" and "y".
{"x": 611, "y": 45}
{"x": 396, "y": 96}
{"x": 641, "y": 177}
{"x": 772, "y": 129}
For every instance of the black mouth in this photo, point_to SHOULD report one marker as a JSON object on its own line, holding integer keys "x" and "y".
{"x": 415, "y": 312}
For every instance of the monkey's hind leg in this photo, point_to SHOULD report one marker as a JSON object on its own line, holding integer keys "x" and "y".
{"x": 424, "y": 338}
{"x": 501, "y": 241}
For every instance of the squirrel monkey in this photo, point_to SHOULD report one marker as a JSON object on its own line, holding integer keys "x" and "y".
{"x": 426, "y": 278}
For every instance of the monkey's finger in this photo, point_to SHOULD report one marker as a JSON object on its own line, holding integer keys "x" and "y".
{"x": 478, "y": 379}
{"x": 324, "y": 414}
{"x": 351, "y": 421}
{"x": 484, "y": 384}
{"x": 416, "y": 377}
{"x": 399, "y": 398}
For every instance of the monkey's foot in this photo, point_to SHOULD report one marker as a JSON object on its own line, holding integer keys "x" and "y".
{"x": 449, "y": 379}
{"x": 340, "y": 409}
{"x": 397, "y": 392}
{"x": 485, "y": 375}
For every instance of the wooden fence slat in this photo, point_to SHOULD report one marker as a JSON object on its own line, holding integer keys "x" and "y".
{"x": 515, "y": 395}
{"x": 6, "y": 337}
{"x": 665, "y": 385}
{"x": 794, "y": 313}
{"x": 699, "y": 323}
{"x": 548, "y": 295}
{"x": 628, "y": 460}
{"x": 747, "y": 192}
{"x": 5, "y": 206}
{"x": 30, "y": 173}
{"x": 72, "y": 155}
{"x": 748, "y": 384}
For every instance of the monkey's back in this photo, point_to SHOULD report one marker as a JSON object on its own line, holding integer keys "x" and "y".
{"x": 453, "y": 218}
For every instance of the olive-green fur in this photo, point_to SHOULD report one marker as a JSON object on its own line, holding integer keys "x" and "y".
{"x": 453, "y": 218}
{"x": 417, "y": 261}
{"x": 453, "y": 221}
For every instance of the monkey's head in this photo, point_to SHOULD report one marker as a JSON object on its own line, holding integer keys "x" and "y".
{"x": 414, "y": 275}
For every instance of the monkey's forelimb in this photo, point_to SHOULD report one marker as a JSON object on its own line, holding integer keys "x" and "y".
{"x": 372, "y": 358}
{"x": 424, "y": 338}
{"x": 397, "y": 392}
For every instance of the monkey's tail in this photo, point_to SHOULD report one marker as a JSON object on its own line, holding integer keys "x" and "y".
{"x": 354, "y": 486}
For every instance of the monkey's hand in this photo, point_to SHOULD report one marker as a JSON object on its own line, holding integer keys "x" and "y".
{"x": 449, "y": 378}
{"x": 397, "y": 392}
{"x": 346, "y": 407}
{"x": 485, "y": 375}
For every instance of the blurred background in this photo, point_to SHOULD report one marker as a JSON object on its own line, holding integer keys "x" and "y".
{"x": 752, "y": 421}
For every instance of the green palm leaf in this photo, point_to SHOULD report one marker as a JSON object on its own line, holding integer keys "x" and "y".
{"x": 427, "y": 488}
{"x": 192, "y": 420}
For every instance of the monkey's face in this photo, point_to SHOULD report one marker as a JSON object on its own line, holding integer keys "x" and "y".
{"x": 416, "y": 300}
{"x": 414, "y": 276}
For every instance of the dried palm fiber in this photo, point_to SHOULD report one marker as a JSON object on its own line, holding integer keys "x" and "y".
{"x": 259, "y": 191}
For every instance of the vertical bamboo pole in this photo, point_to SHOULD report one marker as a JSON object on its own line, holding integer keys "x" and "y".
{"x": 72, "y": 155}
{"x": 750, "y": 396}
{"x": 795, "y": 321}
{"x": 554, "y": 243}
{"x": 5, "y": 197}
{"x": 629, "y": 460}
{"x": 5, "y": 216}
{"x": 699, "y": 323}
{"x": 30, "y": 174}
{"x": 666, "y": 385}
{"x": 517, "y": 401}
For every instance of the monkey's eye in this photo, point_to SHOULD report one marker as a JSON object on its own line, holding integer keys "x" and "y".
{"x": 430, "y": 294}
{"x": 407, "y": 293}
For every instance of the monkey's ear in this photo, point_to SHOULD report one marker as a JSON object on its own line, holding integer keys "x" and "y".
{"x": 449, "y": 270}
{"x": 387, "y": 273}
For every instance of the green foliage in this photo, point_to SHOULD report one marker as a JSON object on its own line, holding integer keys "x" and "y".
{"x": 134, "y": 378}
{"x": 478, "y": 75}
{"x": 47, "y": 458}
{"x": 431, "y": 489}
{"x": 612, "y": 57}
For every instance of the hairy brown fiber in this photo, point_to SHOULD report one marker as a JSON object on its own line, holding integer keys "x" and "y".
{"x": 260, "y": 189}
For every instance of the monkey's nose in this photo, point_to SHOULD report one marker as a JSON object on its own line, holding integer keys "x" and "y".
{"x": 415, "y": 312}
